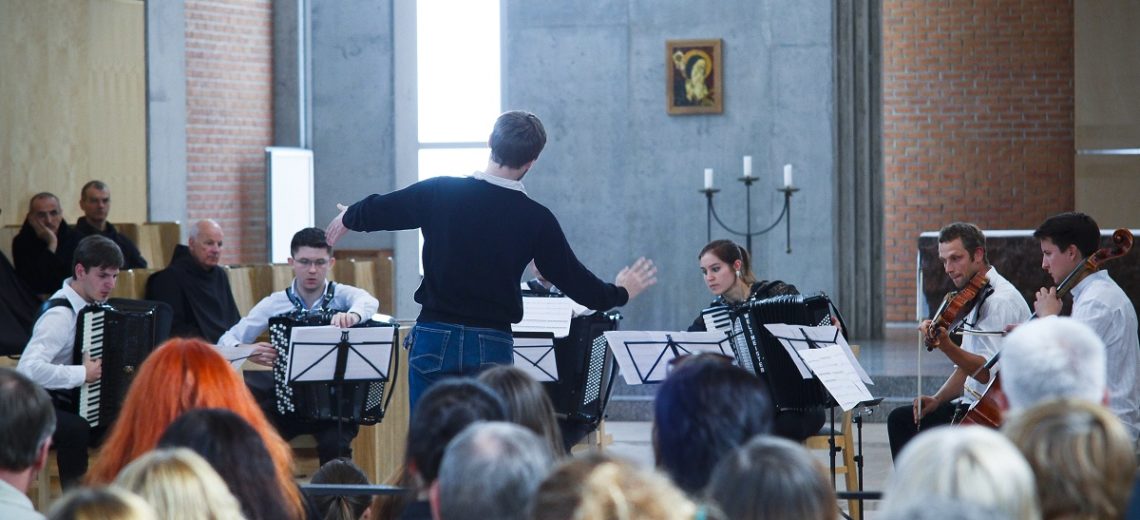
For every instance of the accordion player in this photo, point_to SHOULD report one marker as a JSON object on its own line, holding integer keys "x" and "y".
{"x": 355, "y": 402}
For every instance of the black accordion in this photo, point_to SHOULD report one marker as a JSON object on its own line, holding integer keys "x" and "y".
{"x": 760, "y": 353}
{"x": 586, "y": 369}
{"x": 360, "y": 402}
{"x": 122, "y": 333}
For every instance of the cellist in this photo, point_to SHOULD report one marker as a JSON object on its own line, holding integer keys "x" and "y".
{"x": 1066, "y": 241}
{"x": 962, "y": 250}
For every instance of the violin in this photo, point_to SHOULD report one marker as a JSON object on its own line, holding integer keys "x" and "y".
{"x": 987, "y": 410}
{"x": 955, "y": 307}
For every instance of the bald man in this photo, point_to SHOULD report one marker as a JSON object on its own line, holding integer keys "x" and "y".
{"x": 196, "y": 287}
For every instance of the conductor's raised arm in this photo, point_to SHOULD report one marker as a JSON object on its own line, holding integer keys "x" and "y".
{"x": 637, "y": 278}
{"x": 336, "y": 228}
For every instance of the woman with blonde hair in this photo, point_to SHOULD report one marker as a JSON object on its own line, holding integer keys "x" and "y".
{"x": 598, "y": 487}
{"x": 101, "y": 503}
{"x": 1081, "y": 455}
{"x": 179, "y": 485}
{"x": 527, "y": 404}
{"x": 968, "y": 463}
{"x": 182, "y": 375}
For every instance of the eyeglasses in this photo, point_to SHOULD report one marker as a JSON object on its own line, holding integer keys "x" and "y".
{"x": 306, "y": 263}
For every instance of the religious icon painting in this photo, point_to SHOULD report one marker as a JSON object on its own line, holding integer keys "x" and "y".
{"x": 693, "y": 77}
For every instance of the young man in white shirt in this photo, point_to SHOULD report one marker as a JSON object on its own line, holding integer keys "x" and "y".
{"x": 48, "y": 360}
{"x": 962, "y": 249}
{"x": 1066, "y": 241}
{"x": 311, "y": 291}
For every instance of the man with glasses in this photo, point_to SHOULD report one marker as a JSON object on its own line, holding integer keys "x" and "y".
{"x": 36, "y": 251}
{"x": 311, "y": 291}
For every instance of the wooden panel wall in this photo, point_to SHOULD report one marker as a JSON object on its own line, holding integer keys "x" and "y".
{"x": 1107, "y": 114}
{"x": 73, "y": 104}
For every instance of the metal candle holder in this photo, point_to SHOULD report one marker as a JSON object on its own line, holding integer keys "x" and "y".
{"x": 748, "y": 233}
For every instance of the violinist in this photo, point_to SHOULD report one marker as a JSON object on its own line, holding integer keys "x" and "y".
{"x": 962, "y": 250}
{"x": 1066, "y": 241}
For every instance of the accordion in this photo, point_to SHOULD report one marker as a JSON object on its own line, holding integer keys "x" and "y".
{"x": 121, "y": 333}
{"x": 586, "y": 367}
{"x": 360, "y": 402}
{"x": 760, "y": 353}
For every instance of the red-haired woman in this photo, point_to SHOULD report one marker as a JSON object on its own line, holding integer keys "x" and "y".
{"x": 181, "y": 375}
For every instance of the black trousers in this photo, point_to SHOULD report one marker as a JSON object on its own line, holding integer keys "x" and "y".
{"x": 901, "y": 428}
{"x": 71, "y": 439}
{"x": 333, "y": 440}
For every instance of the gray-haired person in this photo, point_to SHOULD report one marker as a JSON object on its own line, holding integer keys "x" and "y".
{"x": 27, "y": 421}
{"x": 491, "y": 470}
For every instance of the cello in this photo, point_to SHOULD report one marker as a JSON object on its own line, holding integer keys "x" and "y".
{"x": 987, "y": 410}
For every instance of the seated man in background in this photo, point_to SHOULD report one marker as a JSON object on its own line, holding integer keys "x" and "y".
{"x": 310, "y": 292}
{"x": 26, "y": 424}
{"x": 36, "y": 249}
{"x": 95, "y": 201}
{"x": 48, "y": 358}
{"x": 17, "y": 310}
{"x": 195, "y": 287}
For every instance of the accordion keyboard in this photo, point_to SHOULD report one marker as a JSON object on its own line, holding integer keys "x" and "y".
{"x": 717, "y": 319}
{"x": 89, "y": 393}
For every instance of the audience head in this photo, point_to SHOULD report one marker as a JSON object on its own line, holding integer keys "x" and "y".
{"x": 179, "y": 376}
{"x": 238, "y": 453}
{"x": 311, "y": 258}
{"x": 527, "y": 403}
{"x": 101, "y": 503}
{"x": 179, "y": 484}
{"x": 597, "y": 487}
{"x": 771, "y": 478}
{"x": 968, "y": 463}
{"x": 724, "y": 264}
{"x": 490, "y": 470}
{"x": 517, "y": 139}
{"x": 942, "y": 508}
{"x": 338, "y": 507}
{"x": 27, "y": 421}
{"x": 1052, "y": 358}
{"x": 205, "y": 243}
{"x": 1066, "y": 239}
{"x": 706, "y": 408}
{"x": 95, "y": 267}
{"x": 1081, "y": 456}
{"x": 444, "y": 410}
{"x": 44, "y": 208}
{"x": 95, "y": 201}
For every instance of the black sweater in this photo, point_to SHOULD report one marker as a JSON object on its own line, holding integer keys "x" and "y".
{"x": 478, "y": 239}
{"x": 131, "y": 257}
{"x": 202, "y": 300}
{"x": 43, "y": 270}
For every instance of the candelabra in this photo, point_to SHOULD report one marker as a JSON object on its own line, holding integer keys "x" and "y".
{"x": 748, "y": 180}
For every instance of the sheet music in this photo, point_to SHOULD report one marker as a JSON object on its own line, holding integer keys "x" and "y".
{"x": 313, "y": 351}
{"x": 793, "y": 338}
{"x": 838, "y": 375}
{"x": 546, "y": 314}
{"x": 644, "y": 356}
{"x": 235, "y": 355}
{"x": 535, "y": 356}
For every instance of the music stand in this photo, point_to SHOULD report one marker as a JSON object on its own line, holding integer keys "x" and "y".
{"x": 534, "y": 354}
{"x": 644, "y": 355}
{"x": 328, "y": 354}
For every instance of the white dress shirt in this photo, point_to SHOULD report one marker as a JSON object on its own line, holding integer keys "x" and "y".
{"x": 345, "y": 296}
{"x": 15, "y": 505}
{"x": 500, "y": 182}
{"x": 49, "y": 357}
{"x": 1004, "y": 306}
{"x": 1102, "y": 305}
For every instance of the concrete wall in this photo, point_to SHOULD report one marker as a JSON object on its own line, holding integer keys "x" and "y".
{"x": 622, "y": 175}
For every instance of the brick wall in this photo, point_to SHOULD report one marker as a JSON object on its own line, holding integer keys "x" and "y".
{"x": 229, "y": 101}
{"x": 977, "y": 122}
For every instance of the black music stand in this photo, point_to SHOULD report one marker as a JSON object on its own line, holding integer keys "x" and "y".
{"x": 644, "y": 356}
{"x": 333, "y": 355}
{"x": 534, "y": 354}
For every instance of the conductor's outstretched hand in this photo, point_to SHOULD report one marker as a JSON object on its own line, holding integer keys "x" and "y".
{"x": 336, "y": 228}
{"x": 638, "y": 277}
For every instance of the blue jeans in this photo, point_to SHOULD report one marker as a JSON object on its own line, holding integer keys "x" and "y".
{"x": 437, "y": 351}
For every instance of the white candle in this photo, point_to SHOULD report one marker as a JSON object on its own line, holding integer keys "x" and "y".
{"x": 708, "y": 178}
{"x": 747, "y": 165}
{"x": 787, "y": 175}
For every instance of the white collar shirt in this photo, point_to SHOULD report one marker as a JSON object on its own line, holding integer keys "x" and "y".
{"x": 1102, "y": 305}
{"x": 500, "y": 182}
{"x": 1003, "y": 307}
{"x": 345, "y": 296}
{"x": 48, "y": 359}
